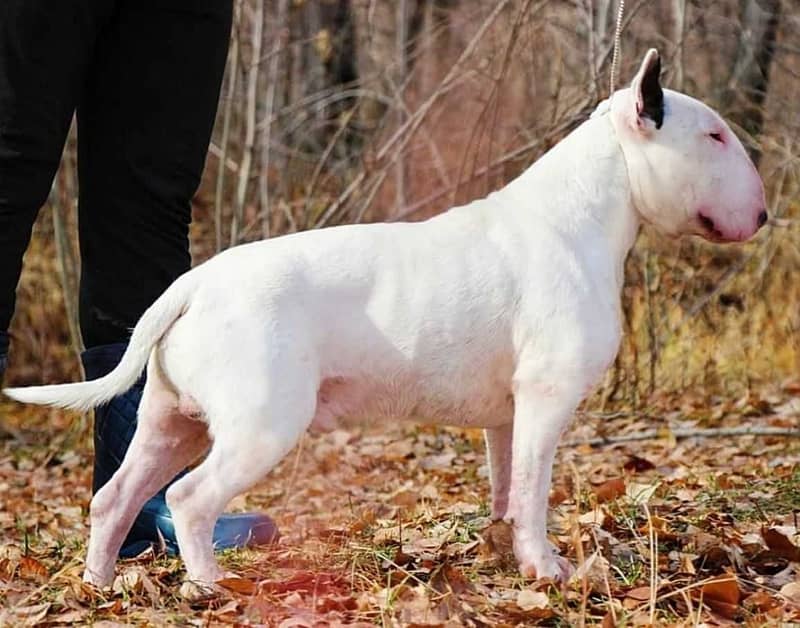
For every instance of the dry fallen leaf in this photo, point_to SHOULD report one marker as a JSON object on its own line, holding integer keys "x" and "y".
{"x": 24, "y": 615}
{"x": 722, "y": 595}
{"x": 791, "y": 591}
{"x": 641, "y": 493}
{"x": 528, "y": 599}
{"x": 450, "y": 579}
{"x": 406, "y": 499}
{"x": 7, "y": 569}
{"x": 760, "y": 602}
{"x": 609, "y": 490}
{"x": 596, "y": 571}
{"x": 558, "y": 495}
{"x": 129, "y": 581}
{"x": 298, "y": 621}
{"x": 70, "y": 618}
{"x": 243, "y": 586}
{"x": 780, "y": 544}
{"x": 31, "y": 569}
{"x": 498, "y": 541}
{"x": 636, "y": 464}
{"x": 595, "y": 516}
{"x": 640, "y": 594}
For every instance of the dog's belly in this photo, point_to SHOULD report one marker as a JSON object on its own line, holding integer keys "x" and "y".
{"x": 483, "y": 402}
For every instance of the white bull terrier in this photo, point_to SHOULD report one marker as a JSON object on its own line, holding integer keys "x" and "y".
{"x": 501, "y": 314}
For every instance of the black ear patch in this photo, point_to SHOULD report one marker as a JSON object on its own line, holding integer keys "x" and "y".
{"x": 652, "y": 94}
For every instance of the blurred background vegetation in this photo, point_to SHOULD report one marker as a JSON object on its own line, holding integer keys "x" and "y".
{"x": 337, "y": 111}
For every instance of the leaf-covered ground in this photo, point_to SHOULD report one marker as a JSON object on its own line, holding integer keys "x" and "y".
{"x": 389, "y": 526}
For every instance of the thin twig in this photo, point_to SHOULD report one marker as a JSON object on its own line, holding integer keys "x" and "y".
{"x": 289, "y": 491}
{"x": 250, "y": 126}
{"x": 713, "y": 432}
{"x": 402, "y": 66}
{"x": 588, "y": 9}
{"x": 679, "y": 24}
{"x": 312, "y": 185}
{"x": 233, "y": 70}
{"x": 269, "y": 105}
{"x": 653, "y": 562}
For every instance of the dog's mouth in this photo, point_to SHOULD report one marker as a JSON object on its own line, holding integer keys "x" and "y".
{"x": 709, "y": 230}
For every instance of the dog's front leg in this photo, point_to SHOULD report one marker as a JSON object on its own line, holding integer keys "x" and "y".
{"x": 498, "y": 453}
{"x": 540, "y": 414}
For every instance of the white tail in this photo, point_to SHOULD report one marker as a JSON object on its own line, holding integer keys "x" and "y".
{"x": 153, "y": 324}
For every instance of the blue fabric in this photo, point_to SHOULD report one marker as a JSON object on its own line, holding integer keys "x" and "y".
{"x": 115, "y": 424}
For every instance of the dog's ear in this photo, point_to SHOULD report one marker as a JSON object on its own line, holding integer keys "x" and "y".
{"x": 647, "y": 93}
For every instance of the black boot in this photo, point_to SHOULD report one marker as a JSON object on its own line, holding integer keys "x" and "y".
{"x": 114, "y": 425}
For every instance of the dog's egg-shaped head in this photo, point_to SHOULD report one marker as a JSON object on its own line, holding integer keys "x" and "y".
{"x": 688, "y": 172}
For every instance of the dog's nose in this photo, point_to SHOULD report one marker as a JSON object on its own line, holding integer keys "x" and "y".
{"x": 762, "y": 219}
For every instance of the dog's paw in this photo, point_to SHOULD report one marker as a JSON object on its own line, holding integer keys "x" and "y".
{"x": 99, "y": 578}
{"x": 197, "y": 590}
{"x": 543, "y": 561}
{"x": 556, "y": 568}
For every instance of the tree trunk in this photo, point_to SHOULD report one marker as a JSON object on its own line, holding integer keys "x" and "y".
{"x": 743, "y": 97}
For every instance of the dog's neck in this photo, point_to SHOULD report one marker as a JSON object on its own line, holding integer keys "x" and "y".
{"x": 588, "y": 195}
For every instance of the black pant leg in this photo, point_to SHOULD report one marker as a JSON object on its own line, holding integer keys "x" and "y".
{"x": 44, "y": 49}
{"x": 144, "y": 126}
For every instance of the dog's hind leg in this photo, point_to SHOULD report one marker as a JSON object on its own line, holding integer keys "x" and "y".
{"x": 165, "y": 442}
{"x": 256, "y": 435}
{"x": 498, "y": 452}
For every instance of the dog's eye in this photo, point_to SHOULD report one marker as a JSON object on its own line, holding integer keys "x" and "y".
{"x": 717, "y": 137}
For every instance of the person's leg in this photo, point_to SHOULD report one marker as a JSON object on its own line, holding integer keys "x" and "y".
{"x": 44, "y": 50}
{"x": 144, "y": 124}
